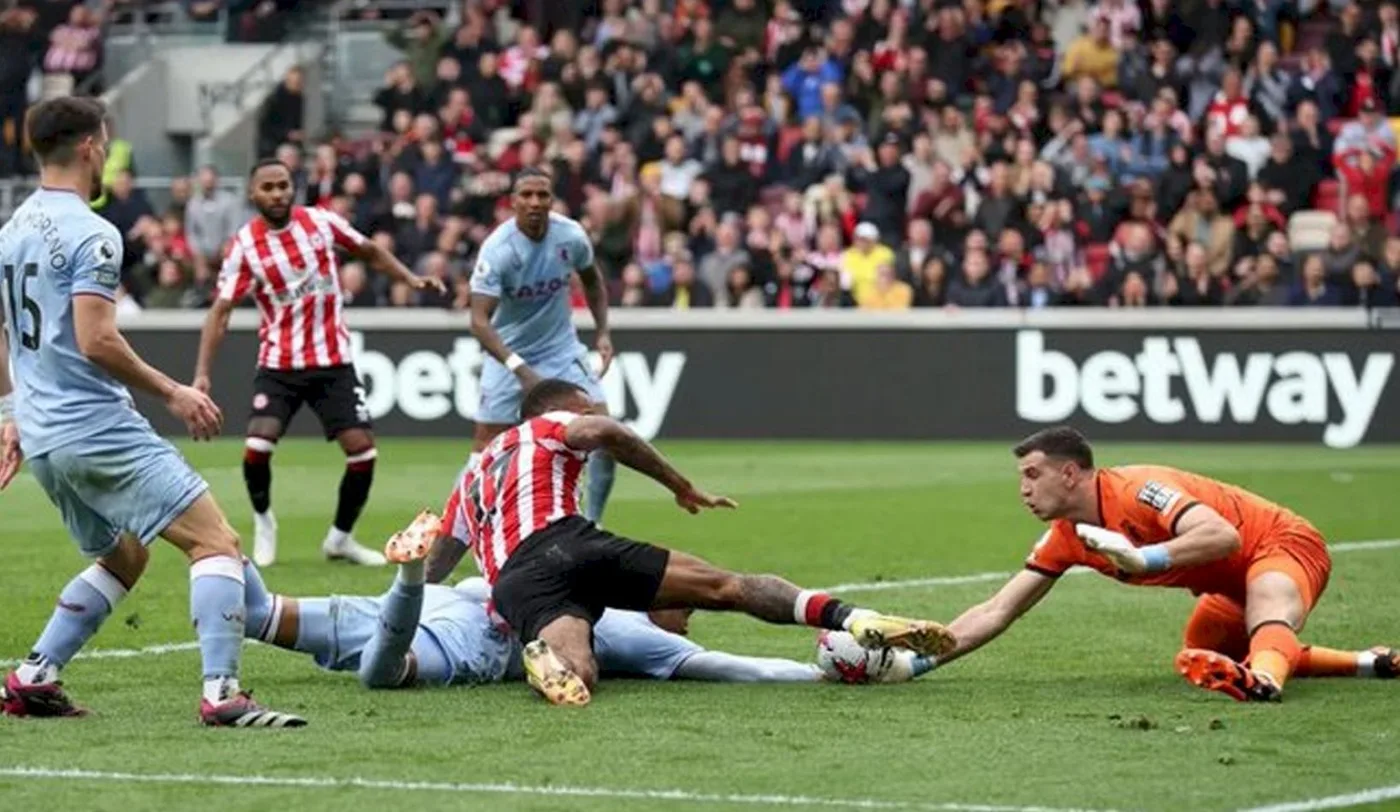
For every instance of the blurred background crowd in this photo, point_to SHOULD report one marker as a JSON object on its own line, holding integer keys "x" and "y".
{"x": 874, "y": 154}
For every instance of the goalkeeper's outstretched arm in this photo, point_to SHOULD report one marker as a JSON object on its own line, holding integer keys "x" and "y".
{"x": 982, "y": 623}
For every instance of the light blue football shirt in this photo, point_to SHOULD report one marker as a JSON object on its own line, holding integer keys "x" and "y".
{"x": 53, "y": 249}
{"x": 531, "y": 280}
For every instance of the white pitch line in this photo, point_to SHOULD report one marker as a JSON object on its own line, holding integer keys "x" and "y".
{"x": 863, "y": 586}
{"x": 674, "y": 795}
{"x": 1368, "y": 796}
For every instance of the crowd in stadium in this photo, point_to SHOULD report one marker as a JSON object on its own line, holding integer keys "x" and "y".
{"x": 876, "y": 154}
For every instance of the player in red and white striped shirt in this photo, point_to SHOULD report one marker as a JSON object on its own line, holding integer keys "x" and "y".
{"x": 285, "y": 259}
{"x": 553, "y": 572}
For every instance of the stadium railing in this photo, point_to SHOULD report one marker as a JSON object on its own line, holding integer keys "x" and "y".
{"x": 1312, "y": 376}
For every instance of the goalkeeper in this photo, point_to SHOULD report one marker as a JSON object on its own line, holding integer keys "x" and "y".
{"x": 1258, "y": 568}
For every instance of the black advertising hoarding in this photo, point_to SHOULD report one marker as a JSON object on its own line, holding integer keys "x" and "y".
{"x": 1332, "y": 386}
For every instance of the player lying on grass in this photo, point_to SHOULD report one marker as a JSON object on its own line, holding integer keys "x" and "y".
{"x": 553, "y": 572}
{"x": 1258, "y": 568}
{"x": 421, "y": 634}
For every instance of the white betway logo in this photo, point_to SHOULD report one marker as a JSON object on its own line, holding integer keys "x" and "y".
{"x": 427, "y": 385}
{"x": 1113, "y": 387}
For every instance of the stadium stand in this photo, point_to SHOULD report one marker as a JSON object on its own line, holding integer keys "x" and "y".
{"x": 877, "y": 154}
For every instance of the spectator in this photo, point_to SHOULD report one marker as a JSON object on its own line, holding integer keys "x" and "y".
{"x": 1370, "y": 234}
{"x": 126, "y": 205}
{"x": 421, "y": 235}
{"x": 354, "y": 286}
{"x": 421, "y": 39}
{"x": 685, "y": 292}
{"x": 400, "y": 93}
{"x": 434, "y": 265}
{"x": 1288, "y": 182}
{"x": 1314, "y": 289}
{"x": 1341, "y": 253}
{"x": 1319, "y": 84}
{"x": 1368, "y": 288}
{"x": 596, "y": 114}
{"x": 1199, "y": 285}
{"x": 730, "y": 181}
{"x": 715, "y": 269}
{"x": 887, "y": 292}
{"x": 436, "y": 175}
{"x": 1260, "y": 286}
{"x": 859, "y": 263}
{"x": 171, "y": 291}
{"x": 1202, "y": 222}
{"x": 282, "y": 120}
{"x": 75, "y": 48}
{"x": 976, "y": 287}
{"x": 1250, "y": 147}
{"x": 805, "y": 80}
{"x": 885, "y": 182}
{"x": 1366, "y": 172}
{"x": 16, "y": 65}
{"x": 212, "y": 217}
{"x": 1093, "y": 56}
{"x": 739, "y": 290}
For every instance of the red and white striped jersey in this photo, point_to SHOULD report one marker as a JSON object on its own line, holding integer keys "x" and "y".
{"x": 526, "y": 480}
{"x": 293, "y": 276}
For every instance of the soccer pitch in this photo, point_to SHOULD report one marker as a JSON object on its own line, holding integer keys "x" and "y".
{"x": 1076, "y": 707}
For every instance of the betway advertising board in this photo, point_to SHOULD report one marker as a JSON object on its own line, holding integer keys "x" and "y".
{"x": 1335, "y": 387}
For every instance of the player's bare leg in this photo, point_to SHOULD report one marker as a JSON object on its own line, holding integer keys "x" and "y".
{"x": 559, "y": 663}
{"x": 34, "y": 689}
{"x": 1275, "y": 610}
{"x": 340, "y": 544}
{"x": 218, "y": 606}
{"x": 693, "y": 582}
{"x": 261, "y": 442}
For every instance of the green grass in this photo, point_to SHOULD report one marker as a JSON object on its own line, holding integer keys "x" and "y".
{"x": 1041, "y": 717}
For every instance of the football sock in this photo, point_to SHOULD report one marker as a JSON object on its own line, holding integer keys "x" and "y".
{"x": 823, "y": 611}
{"x": 601, "y": 471}
{"x": 83, "y": 605}
{"x": 257, "y": 472}
{"x": 315, "y": 627}
{"x": 1274, "y": 650}
{"x": 260, "y": 607}
{"x": 719, "y": 666}
{"x": 382, "y": 663}
{"x": 218, "y": 610}
{"x": 1316, "y": 661}
{"x": 354, "y": 489}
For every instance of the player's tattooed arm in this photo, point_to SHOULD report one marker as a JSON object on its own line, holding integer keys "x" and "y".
{"x": 595, "y": 288}
{"x": 443, "y": 558}
{"x": 627, "y": 447}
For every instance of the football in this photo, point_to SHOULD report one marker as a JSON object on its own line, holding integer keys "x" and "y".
{"x": 842, "y": 659}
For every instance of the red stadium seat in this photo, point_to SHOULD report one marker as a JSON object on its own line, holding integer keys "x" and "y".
{"x": 1328, "y": 196}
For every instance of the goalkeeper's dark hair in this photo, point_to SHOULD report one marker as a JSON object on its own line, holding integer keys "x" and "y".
{"x": 546, "y": 396}
{"x": 1058, "y": 442}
